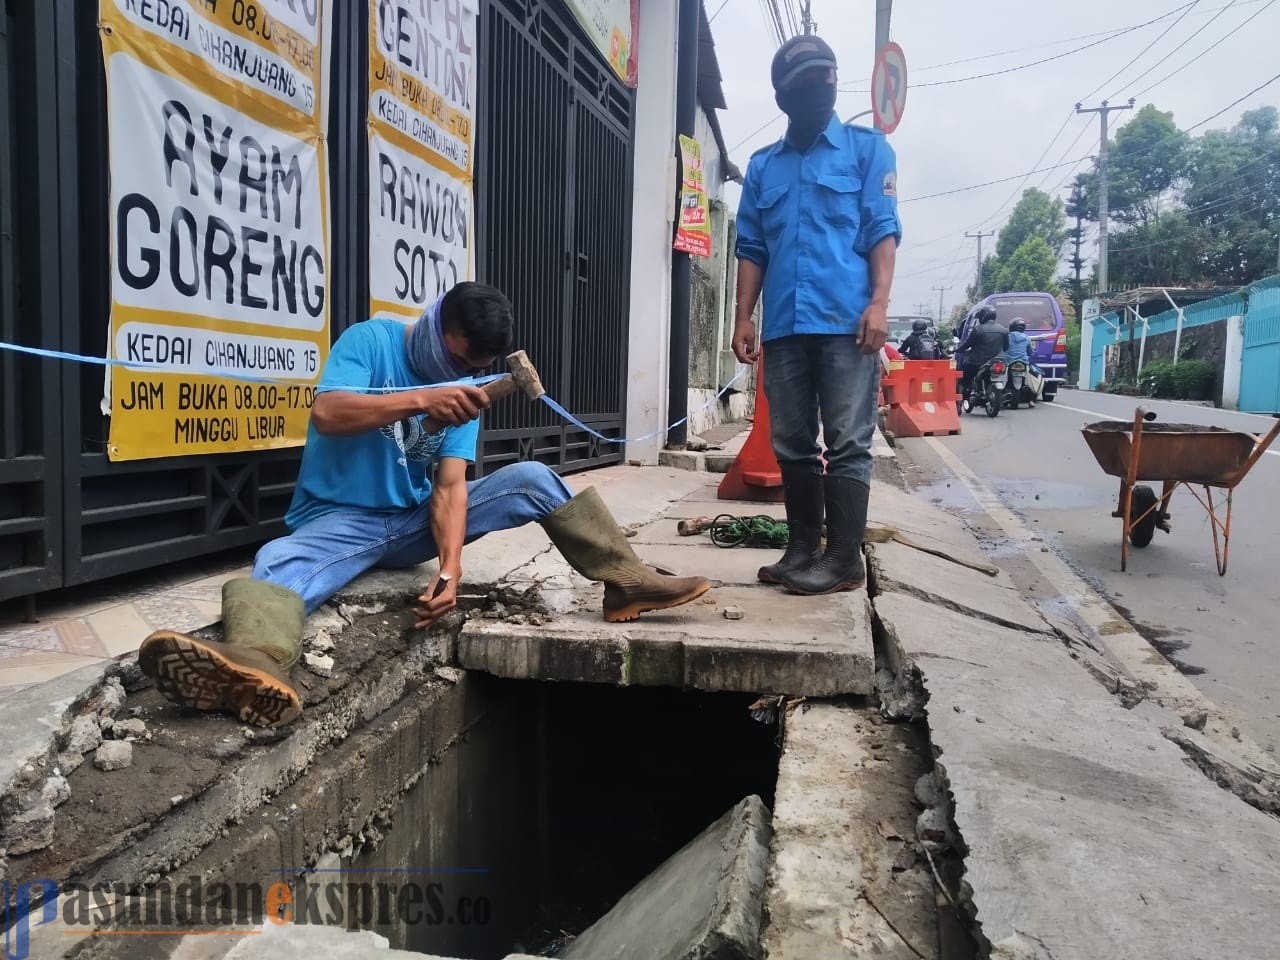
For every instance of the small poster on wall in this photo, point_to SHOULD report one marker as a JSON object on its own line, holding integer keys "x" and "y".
{"x": 693, "y": 234}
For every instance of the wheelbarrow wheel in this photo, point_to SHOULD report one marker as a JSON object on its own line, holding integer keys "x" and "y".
{"x": 1143, "y": 500}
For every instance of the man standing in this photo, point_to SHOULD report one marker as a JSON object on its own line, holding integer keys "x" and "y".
{"x": 818, "y": 231}
{"x": 364, "y": 498}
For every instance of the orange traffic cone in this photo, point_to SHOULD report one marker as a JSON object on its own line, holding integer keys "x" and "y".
{"x": 755, "y": 474}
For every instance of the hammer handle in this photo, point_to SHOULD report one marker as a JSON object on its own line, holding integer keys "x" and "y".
{"x": 495, "y": 389}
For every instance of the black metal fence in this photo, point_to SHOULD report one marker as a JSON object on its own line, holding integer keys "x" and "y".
{"x": 554, "y": 224}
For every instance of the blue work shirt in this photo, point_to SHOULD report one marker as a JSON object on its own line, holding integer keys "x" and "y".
{"x": 381, "y": 471}
{"x": 810, "y": 219}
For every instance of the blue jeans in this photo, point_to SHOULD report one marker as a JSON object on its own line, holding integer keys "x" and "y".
{"x": 805, "y": 373}
{"x": 323, "y": 556}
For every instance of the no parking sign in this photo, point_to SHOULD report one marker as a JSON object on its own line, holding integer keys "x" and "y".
{"x": 889, "y": 87}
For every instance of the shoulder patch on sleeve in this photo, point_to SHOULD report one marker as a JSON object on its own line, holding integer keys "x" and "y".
{"x": 891, "y": 184}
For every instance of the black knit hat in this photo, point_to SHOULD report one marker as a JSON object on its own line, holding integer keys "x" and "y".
{"x": 797, "y": 55}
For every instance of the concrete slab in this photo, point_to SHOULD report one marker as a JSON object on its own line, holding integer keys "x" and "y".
{"x": 34, "y": 718}
{"x": 703, "y": 902}
{"x": 805, "y": 646}
{"x": 892, "y": 507}
{"x": 900, "y": 569}
{"x": 842, "y": 776}
{"x": 1088, "y": 835}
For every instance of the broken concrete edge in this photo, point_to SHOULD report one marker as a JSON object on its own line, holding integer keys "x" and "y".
{"x": 740, "y": 890}
{"x": 338, "y": 822}
{"x": 885, "y": 465}
{"x": 42, "y": 718}
{"x": 251, "y": 782}
{"x": 841, "y": 818}
{"x": 726, "y": 921}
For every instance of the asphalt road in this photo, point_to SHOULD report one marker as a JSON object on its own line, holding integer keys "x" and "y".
{"x": 1222, "y": 632}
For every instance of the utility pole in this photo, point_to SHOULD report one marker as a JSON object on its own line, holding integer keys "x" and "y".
{"x": 941, "y": 291}
{"x": 809, "y": 25}
{"x": 1103, "y": 185}
{"x": 977, "y": 283}
{"x": 884, "y": 13}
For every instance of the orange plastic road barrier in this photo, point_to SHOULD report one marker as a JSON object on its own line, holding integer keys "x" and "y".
{"x": 923, "y": 398}
{"x": 755, "y": 474}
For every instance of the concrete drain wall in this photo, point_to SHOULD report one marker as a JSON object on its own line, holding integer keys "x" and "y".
{"x": 477, "y": 818}
{"x": 566, "y": 796}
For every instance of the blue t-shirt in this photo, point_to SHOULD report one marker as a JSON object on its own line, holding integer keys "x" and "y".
{"x": 382, "y": 470}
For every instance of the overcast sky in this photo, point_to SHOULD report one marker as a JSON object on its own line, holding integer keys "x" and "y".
{"x": 961, "y": 134}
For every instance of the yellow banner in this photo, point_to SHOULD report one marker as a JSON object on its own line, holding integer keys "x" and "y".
{"x": 422, "y": 81}
{"x": 422, "y": 91}
{"x": 219, "y": 223}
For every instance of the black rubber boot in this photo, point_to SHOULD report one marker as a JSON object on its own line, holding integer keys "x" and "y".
{"x": 840, "y": 567}
{"x": 803, "y": 489}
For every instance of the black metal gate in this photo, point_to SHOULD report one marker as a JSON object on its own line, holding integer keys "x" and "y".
{"x": 554, "y": 194}
{"x": 554, "y": 224}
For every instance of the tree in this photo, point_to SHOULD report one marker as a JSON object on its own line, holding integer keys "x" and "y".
{"x": 1190, "y": 210}
{"x": 1077, "y": 207}
{"x": 1148, "y": 159}
{"x": 987, "y": 284}
{"x": 1036, "y": 215}
{"x": 1030, "y": 267}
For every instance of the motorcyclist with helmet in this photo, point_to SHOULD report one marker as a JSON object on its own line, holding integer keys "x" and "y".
{"x": 1020, "y": 349}
{"x": 1019, "y": 342}
{"x": 984, "y": 341}
{"x": 921, "y": 343}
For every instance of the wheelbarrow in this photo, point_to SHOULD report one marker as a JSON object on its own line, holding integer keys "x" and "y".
{"x": 1173, "y": 454}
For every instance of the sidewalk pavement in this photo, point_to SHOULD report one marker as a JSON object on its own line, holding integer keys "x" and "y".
{"x": 1090, "y": 818}
{"x": 99, "y": 622}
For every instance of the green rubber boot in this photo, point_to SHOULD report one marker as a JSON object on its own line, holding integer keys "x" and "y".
{"x": 248, "y": 673}
{"x": 589, "y": 538}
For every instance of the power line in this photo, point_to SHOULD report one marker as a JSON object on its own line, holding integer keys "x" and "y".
{"x": 760, "y": 129}
{"x": 1039, "y": 160}
{"x": 1195, "y": 33}
{"x": 1261, "y": 86}
{"x": 712, "y": 18}
{"x": 1079, "y": 160}
{"x": 1145, "y": 90}
{"x": 1143, "y": 53}
{"x": 1114, "y": 31}
{"x": 1056, "y": 56}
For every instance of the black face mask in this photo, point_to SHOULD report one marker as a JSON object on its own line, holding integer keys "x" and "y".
{"x": 808, "y": 108}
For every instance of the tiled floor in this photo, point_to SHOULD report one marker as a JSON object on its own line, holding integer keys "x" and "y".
{"x": 108, "y": 622}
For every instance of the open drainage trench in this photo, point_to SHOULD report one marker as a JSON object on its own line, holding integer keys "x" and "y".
{"x": 520, "y": 812}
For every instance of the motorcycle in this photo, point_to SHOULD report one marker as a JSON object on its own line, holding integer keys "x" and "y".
{"x": 989, "y": 389}
{"x": 1025, "y": 384}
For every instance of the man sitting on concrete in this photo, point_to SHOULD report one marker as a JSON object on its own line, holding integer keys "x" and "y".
{"x": 364, "y": 499}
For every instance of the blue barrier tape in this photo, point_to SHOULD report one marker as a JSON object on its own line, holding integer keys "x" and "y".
{"x": 474, "y": 381}
{"x": 243, "y": 377}
{"x": 648, "y": 436}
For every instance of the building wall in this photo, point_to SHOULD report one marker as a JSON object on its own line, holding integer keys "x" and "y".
{"x": 711, "y": 307}
{"x": 649, "y": 338}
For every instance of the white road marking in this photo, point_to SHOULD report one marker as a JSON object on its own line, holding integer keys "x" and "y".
{"x": 1110, "y": 630}
{"x": 1108, "y": 416}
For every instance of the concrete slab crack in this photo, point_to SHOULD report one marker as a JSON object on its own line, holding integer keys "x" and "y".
{"x": 1258, "y": 788}
{"x": 866, "y": 895}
